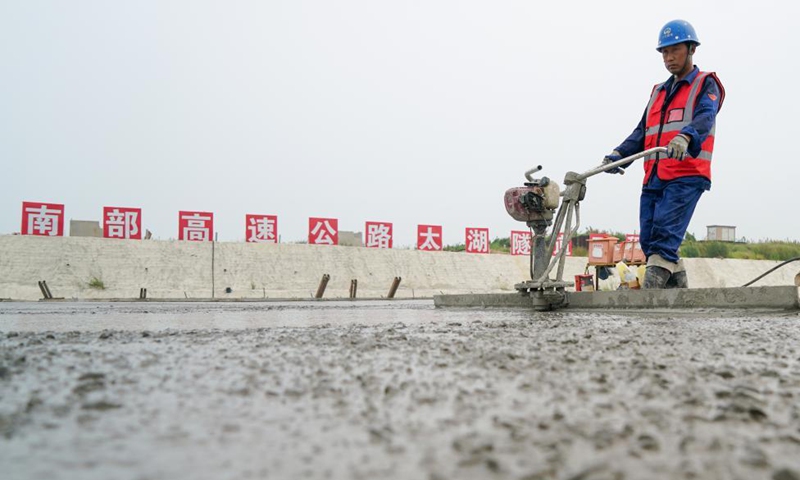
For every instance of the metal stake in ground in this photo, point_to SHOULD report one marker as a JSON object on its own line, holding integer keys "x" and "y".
{"x": 322, "y": 284}
{"x": 393, "y": 288}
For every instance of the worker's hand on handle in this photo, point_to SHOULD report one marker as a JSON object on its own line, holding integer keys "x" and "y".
{"x": 611, "y": 158}
{"x": 677, "y": 147}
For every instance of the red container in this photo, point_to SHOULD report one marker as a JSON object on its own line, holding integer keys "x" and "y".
{"x": 633, "y": 253}
{"x": 584, "y": 283}
{"x": 601, "y": 251}
{"x": 619, "y": 248}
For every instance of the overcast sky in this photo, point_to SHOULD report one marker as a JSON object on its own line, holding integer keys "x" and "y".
{"x": 410, "y": 112}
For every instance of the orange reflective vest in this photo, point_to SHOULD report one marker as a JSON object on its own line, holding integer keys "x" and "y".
{"x": 663, "y": 123}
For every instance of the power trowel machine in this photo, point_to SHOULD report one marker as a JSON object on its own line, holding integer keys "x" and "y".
{"x": 536, "y": 204}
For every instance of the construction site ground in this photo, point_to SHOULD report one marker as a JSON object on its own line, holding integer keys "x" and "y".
{"x": 397, "y": 389}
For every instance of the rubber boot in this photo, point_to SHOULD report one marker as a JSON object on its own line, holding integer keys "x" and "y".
{"x": 678, "y": 280}
{"x": 656, "y": 277}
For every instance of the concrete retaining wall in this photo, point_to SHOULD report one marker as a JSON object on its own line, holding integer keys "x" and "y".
{"x": 173, "y": 269}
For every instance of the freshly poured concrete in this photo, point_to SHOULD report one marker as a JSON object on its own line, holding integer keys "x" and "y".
{"x": 394, "y": 390}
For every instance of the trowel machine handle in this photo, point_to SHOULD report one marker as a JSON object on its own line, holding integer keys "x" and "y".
{"x": 624, "y": 161}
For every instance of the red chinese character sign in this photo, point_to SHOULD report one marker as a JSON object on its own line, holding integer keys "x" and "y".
{"x": 195, "y": 226}
{"x": 559, "y": 244}
{"x": 44, "y": 219}
{"x": 122, "y": 222}
{"x": 379, "y": 235}
{"x": 477, "y": 240}
{"x": 261, "y": 228}
{"x": 323, "y": 231}
{"x": 429, "y": 237}
{"x": 520, "y": 242}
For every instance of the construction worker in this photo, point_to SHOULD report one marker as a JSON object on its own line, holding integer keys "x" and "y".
{"x": 680, "y": 116}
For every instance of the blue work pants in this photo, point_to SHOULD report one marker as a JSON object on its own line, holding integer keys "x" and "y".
{"x": 665, "y": 209}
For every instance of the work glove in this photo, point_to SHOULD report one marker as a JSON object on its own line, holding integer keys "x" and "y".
{"x": 677, "y": 147}
{"x": 613, "y": 157}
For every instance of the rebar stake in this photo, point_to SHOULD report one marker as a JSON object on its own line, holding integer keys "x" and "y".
{"x": 322, "y": 284}
{"x": 393, "y": 289}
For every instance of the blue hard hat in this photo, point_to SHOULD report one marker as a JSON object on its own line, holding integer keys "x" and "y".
{"x": 676, "y": 31}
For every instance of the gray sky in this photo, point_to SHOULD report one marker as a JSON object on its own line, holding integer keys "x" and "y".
{"x": 412, "y": 112}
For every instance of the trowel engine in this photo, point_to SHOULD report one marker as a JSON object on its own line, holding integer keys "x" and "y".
{"x": 537, "y": 204}
{"x": 533, "y": 203}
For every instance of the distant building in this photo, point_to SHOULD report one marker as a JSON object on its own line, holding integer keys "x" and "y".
{"x": 720, "y": 233}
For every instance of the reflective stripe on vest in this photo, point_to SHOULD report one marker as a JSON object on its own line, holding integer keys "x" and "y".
{"x": 661, "y": 130}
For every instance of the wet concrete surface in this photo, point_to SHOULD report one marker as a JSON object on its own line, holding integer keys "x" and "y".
{"x": 395, "y": 390}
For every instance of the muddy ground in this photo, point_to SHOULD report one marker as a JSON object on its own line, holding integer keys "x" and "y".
{"x": 395, "y": 390}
